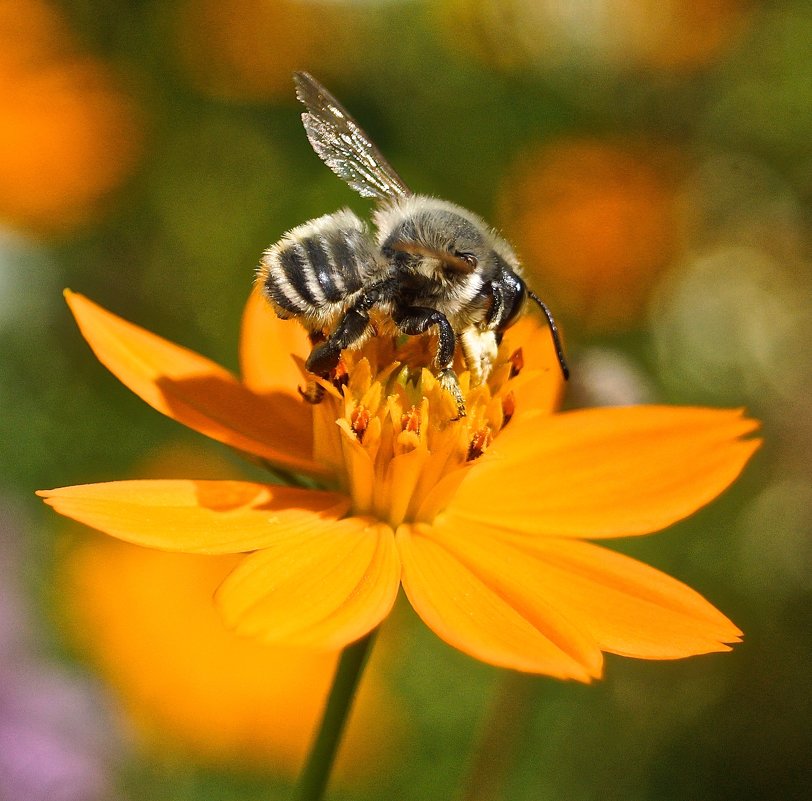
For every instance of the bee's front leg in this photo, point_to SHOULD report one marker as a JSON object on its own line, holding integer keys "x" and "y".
{"x": 479, "y": 349}
{"x": 417, "y": 320}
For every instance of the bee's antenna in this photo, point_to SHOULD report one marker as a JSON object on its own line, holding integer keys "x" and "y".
{"x": 559, "y": 351}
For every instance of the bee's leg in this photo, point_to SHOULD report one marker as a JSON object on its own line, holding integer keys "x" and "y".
{"x": 313, "y": 391}
{"x": 351, "y": 328}
{"x": 479, "y": 349}
{"x": 417, "y": 320}
{"x": 324, "y": 357}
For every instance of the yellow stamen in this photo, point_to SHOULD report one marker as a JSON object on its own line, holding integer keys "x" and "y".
{"x": 359, "y": 421}
{"x": 479, "y": 443}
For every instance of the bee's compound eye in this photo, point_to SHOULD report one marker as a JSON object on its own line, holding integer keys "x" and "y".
{"x": 468, "y": 258}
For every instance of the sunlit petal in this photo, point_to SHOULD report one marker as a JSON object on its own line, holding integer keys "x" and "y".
{"x": 195, "y": 391}
{"x": 198, "y": 516}
{"x": 539, "y": 363}
{"x": 324, "y": 588}
{"x": 627, "y": 607}
{"x": 489, "y": 612}
{"x": 609, "y": 472}
{"x": 267, "y": 347}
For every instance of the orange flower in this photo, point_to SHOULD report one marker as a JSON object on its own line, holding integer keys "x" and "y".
{"x": 191, "y": 687}
{"x": 597, "y": 219}
{"x": 481, "y": 519}
{"x": 69, "y": 132}
{"x": 247, "y": 49}
{"x": 680, "y": 36}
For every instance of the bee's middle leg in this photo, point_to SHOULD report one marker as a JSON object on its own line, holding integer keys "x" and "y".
{"x": 417, "y": 320}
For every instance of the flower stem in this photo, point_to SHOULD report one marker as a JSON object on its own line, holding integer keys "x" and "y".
{"x": 316, "y": 773}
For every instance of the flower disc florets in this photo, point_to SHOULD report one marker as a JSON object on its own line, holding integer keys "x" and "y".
{"x": 390, "y": 431}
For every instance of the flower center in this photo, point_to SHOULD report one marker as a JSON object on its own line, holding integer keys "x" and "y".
{"x": 393, "y": 435}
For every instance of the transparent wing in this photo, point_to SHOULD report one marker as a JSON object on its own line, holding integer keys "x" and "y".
{"x": 342, "y": 144}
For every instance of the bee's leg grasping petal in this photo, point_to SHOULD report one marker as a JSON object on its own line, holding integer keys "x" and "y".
{"x": 313, "y": 391}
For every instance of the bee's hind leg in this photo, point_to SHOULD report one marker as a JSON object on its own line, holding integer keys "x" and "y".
{"x": 350, "y": 331}
{"x": 325, "y": 356}
{"x": 417, "y": 320}
{"x": 313, "y": 392}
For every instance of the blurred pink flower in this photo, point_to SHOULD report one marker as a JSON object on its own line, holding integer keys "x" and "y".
{"x": 57, "y": 741}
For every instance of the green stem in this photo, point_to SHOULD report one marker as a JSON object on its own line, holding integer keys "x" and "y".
{"x": 316, "y": 773}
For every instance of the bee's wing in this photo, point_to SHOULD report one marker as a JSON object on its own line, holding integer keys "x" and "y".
{"x": 342, "y": 145}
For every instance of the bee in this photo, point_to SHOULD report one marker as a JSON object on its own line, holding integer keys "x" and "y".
{"x": 429, "y": 264}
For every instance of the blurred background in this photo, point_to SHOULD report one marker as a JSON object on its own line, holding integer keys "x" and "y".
{"x": 651, "y": 162}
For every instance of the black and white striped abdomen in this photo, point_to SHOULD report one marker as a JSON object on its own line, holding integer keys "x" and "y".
{"x": 316, "y": 269}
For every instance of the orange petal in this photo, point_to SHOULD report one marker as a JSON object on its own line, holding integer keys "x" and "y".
{"x": 267, "y": 347}
{"x": 358, "y": 468}
{"x": 627, "y": 607}
{"x": 489, "y": 608}
{"x": 324, "y": 588}
{"x": 534, "y": 395}
{"x": 532, "y": 335}
{"x": 609, "y": 472}
{"x": 195, "y": 391}
{"x": 197, "y": 516}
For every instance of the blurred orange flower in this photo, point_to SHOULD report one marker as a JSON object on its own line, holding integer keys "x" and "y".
{"x": 248, "y": 49}
{"x": 189, "y": 685}
{"x": 597, "y": 222}
{"x": 682, "y": 35}
{"x": 677, "y": 36}
{"x": 69, "y": 135}
{"x": 482, "y": 519}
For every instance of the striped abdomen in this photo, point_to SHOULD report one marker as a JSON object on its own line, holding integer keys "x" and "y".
{"x": 316, "y": 270}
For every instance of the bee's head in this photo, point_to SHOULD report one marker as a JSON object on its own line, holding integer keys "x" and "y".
{"x": 509, "y": 296}
{"x": 510, "y": 293}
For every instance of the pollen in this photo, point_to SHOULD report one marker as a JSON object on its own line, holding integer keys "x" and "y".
{"x": 359, "y": 421}
{"x": 340, "y": 375}
{"x": 411, "y": 420}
